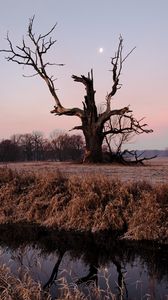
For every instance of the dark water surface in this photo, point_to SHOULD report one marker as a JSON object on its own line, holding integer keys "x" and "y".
{"x": 127, "y": 270}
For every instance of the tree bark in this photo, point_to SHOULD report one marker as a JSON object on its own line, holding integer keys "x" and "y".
{"x": 93, "y": 150}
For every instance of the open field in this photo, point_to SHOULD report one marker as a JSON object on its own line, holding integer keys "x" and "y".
{"x": 154, "y": 171}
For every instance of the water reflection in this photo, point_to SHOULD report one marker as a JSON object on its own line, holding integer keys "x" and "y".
{"x": 128, "y": 270}
{"x": 54, "y": 273}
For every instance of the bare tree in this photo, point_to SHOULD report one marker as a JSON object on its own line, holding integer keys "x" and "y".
{"x": 120, "y": 130}
{"x": 27, "y": 146}
{"x": 38, "y": 143}
{"x": 92, "y": 122}
{"x": 9, "y": 151}
{"x": 67, "y": 147}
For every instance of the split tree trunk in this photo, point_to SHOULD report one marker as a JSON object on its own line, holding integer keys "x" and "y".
{"x": 93, "y": 150}
{"x": 92, "y": 130}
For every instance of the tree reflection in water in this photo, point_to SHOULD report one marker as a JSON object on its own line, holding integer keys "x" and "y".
{"x": 92, "y": 276}
{"x": 96, "y": 251}
{"x": 54, "y": 273}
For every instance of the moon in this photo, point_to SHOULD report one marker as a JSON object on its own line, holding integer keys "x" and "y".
{"x": 101, "y": 50}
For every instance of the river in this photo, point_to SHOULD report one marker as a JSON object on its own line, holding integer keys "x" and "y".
{"x": 126, "y": 269}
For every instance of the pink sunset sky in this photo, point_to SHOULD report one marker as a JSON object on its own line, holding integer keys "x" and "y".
{"x": 83, "y": 28}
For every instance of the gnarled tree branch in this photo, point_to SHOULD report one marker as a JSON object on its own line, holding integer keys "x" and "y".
{"x": 131, "y": 125}
{"x": 117, "y": 64}
{"x": 34, "y": 57}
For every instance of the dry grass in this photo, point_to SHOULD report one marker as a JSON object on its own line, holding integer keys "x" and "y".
{"x": 86, "y": 203}
{"x": 12, "y": 288}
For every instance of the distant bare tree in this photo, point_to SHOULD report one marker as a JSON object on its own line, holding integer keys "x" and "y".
{"x": 9, "y": 151}
{"x": 92, "y": 122}
{"x": 27, "y": 146}
{"x": 76, "y": 146}
{"x": 38, "y": 142}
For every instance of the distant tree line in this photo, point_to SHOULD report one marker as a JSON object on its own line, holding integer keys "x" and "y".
{"x": 61, "y": 146}
{"x": 34, "y": 147}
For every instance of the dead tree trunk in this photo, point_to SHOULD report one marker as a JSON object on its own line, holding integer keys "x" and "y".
{"x": 93, "y": 150}
{"x": 92, "y": 123}
{"x": 91, "y": 130}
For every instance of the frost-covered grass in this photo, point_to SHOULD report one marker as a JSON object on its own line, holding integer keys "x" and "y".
{"x": 154, "y": 171}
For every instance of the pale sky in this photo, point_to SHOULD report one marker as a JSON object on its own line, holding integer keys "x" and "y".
{"x": 84, "y": 27}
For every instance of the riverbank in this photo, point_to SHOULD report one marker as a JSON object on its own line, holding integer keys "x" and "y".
{"x": 88, "y": 203}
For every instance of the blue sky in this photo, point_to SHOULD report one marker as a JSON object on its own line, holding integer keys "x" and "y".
{"x": 83, "y": 27}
